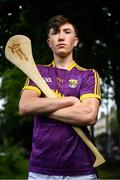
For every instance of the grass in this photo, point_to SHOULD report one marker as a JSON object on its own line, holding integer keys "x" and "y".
{"x": 13, "y": 168}
{"x": 110, "y": 170}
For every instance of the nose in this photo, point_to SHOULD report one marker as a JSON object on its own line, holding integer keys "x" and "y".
{"x": 61, "y": 36}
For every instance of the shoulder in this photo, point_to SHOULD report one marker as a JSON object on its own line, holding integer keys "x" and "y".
{"x": 43, "y": 66}
{"x": 86, "y": 70}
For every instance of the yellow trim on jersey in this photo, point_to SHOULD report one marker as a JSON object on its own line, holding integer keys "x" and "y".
{"x": 95, "y": 87}
{"x": 46, "y": 65}
{"x": 32, "y": 88}
{"x": 70, "y": 66}
{"x": 57, "y": 93}
{"x": 97, "y": 83}
{"x": 53, "y": 63}
{"x": 80, "y": 68}
{"x": 90, "y": 95}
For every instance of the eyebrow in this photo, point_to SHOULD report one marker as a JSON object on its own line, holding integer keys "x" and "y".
{"x": 64, "y": 29}
{"x": 67, "y": 29}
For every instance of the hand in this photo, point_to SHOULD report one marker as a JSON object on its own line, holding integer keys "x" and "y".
{"x": 72, "y": 99}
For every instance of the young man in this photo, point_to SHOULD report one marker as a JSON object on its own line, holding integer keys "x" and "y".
{"x": 57, "y": 151}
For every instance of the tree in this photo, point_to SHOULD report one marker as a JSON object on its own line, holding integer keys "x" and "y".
{"x": 13, "y": 128}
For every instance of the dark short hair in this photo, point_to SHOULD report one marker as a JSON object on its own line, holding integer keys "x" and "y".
{"x": 56, "y": 21}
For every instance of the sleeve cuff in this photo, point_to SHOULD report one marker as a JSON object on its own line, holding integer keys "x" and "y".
{"x": 84, "y": 96}
{"x": 32, "y": 88}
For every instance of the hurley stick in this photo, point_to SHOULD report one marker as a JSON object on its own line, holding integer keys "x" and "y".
{"x": 18, "y": 51}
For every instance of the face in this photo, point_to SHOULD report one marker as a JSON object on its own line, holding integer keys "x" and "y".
{"x": 63, "y": 40}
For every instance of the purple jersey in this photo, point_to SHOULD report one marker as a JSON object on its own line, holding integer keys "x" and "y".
{"x": 56, "y": 148}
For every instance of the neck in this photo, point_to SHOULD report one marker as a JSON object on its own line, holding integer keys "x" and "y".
{"x": 63, "y": 62}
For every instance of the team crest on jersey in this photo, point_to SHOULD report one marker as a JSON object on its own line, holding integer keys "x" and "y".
{"x": 73, "y": 83}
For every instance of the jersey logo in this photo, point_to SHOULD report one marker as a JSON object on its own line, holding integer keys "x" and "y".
{"x": 73, "y": 83}
{"x": 47, "y": 79}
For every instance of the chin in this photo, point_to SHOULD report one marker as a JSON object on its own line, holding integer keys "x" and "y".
{"x": 62, "y": 54}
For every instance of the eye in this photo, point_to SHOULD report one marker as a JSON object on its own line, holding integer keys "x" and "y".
{"x": 54, "y": 32}
{"x": 68, "y": 31}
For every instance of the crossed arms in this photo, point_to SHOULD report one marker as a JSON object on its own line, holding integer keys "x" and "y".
{"x": 67, "y": 109}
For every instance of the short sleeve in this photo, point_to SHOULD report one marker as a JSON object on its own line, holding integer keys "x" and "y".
{"x": 90, "y": 86}
{"x": 30, "y": 85}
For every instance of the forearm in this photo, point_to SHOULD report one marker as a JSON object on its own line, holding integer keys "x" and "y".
{"x": 31, "y": 104}
{"x": 77, "y": 114}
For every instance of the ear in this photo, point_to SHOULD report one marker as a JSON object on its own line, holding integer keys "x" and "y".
{"x": 76, "y": 41}
{"x": 48, "y": 42}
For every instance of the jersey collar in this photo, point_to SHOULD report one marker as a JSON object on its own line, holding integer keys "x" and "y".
{"x": 70, "y": 66}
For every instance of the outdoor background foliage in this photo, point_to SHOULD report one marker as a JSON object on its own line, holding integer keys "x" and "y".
{"x": 98, "y": 24}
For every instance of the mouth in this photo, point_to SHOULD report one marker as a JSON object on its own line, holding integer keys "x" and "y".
{"x": 60, "y": 45}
